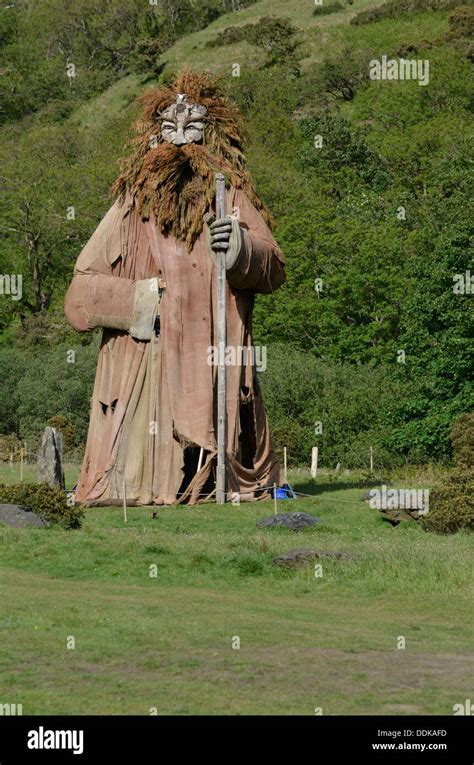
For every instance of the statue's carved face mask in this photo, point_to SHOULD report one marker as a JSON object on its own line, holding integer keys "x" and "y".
{"x": 183, "y": 122}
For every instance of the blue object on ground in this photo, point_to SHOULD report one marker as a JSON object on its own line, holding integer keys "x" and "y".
{"x": 284, "y": 492}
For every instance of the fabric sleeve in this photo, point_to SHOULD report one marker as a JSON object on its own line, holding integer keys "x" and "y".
{"x": 96, "y": 298}
{"x": 260, "y": 265}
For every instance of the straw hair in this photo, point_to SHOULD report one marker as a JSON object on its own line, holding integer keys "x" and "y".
{"x": 176, "y": 183}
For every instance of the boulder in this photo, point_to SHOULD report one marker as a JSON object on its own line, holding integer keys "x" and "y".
{"x": 295, "y": 558}
{"x": 295, "y": 521}
{"x": 19, "y": 516}
{"x": 397, "y": 514}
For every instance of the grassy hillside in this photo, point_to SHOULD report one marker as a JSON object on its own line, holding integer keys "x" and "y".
{"x": 388, "y": 147}
{"x": 318, "y": 35}
{"x": 315, "y": 40}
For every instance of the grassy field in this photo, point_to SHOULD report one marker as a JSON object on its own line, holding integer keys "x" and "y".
{"x": 165, "y": 642}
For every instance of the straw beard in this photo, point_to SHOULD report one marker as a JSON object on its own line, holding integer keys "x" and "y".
{"x": 176, "y": 184}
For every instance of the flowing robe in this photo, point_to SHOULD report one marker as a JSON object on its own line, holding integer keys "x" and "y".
{"x": 155, "y": 396}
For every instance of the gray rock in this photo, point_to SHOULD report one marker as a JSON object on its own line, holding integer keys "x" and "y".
{"x": 296, "y": 558}
{"x": 400, "y": 504}
{"x": 19, "y": 516}
{"x": 396, "y": 515}
{"x": 295, "y": 521}
{"x": 49, "y": 468}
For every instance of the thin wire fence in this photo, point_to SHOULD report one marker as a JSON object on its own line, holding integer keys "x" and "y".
{"x": 24, "y": 457}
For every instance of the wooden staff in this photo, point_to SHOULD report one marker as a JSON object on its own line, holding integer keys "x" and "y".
{"x": 221, "y": 343}
{"x": 124, "y": 502}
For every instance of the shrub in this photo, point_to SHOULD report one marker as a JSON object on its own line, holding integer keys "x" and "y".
{"x": 300, "y": 391}
{"x": 461, "y": 22}
{"x": 345, "y": 73}
{"x": 462, "y": 440}
{"x": 50, "y": 503}
{"x": 323, "y": 10}
{"x": 461, "y": 30}
{"x": 273, "y": 35}
{"x": 395, "y": 8}
{"x": 52, "y": 387}
{"x": 10, "y": 444}
{"x": 344, "y": 146}
{"x": 13, "y": 365}
{"x": 452, "y": 503}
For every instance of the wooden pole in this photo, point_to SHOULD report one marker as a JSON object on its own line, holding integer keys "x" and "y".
{"x": 21, "y": 465}
{"x": 285, "y": 472}
{"x": 371, "y": 454}
{"x": 201, "y": 454}
{"x": 124, "y": 502}
{"x": 314, "y": 462}
{"x": 274, "y": 499}
{"x": 221, "y": 344}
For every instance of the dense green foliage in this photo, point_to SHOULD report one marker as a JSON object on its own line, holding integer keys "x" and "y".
{"x": 59, "y": 53}
{"x": 50, "y": 503}
{"x": 462, "y": 440}
{"x": 452, "y": 503}
{"x": 369, "y": 182}
{"x": 310, "y": 407}
{"x": 275, "y": 36}
{"x": 393, "y": 8}
{"x": 37, "y": 386}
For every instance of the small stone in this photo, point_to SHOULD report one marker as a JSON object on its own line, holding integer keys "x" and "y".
{"x": 295, "y": 521}
{"x": 295, "y": 558}
{"x": 396, "y": 515}
{"x": 19, "y": 516}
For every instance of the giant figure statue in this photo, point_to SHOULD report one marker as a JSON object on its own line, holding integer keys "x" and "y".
{"x": 148, "y": 277}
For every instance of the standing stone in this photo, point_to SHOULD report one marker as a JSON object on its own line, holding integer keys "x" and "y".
{"x": 50, "y": 469}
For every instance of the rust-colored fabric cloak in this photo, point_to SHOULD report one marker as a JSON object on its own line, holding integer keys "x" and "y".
{"x": 154, "y": 400}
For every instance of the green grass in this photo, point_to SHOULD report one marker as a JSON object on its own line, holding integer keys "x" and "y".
{"x": 166, "y": 642}
{"x": 10, "y": 475}
{"x": 119, "y": 97}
